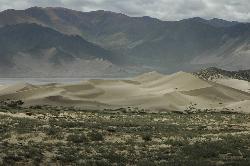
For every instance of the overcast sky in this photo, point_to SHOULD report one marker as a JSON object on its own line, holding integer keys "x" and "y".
{"x": 237, "y": 10}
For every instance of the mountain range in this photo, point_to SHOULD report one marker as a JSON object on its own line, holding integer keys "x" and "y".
{"x": 59, "y": 42}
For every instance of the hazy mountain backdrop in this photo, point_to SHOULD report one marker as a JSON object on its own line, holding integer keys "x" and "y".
{"x": 61, "y": 42}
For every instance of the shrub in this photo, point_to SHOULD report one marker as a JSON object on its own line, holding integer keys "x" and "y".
{"x": 36, "y": 107}
{"x": 13, "y": 103}
{"x": 79, "y": 138}
{"x": 52, "y": 131}
{"x": 147, "y": 137}
{"x": 111, "y": 129}
{"x": 115, "y": 158}
{"x": 96, "y": 136}
{"x": 146, "y": 163}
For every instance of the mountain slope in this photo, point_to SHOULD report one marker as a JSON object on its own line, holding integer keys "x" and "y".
{"x": 33, "y": 48}
{"x": 149, "y": 43}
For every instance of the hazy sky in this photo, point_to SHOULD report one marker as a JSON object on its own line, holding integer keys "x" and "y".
{"x": 163, "y": 9}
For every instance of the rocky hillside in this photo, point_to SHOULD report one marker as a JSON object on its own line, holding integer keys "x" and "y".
{"x": 215, "y": 73}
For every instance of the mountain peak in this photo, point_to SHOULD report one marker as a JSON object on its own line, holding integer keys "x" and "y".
{"x": 34, "y": 8}
{"x": 222, "y": 23}
{"x": 198, "y": 19}
{"x": 215, "y": 22}
{"x": 108, "y": 13}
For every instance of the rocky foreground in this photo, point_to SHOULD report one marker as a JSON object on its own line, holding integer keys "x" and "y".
{"x": 45, "y": 135}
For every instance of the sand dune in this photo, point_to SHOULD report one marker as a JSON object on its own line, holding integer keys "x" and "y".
{"x": 234, "y": 83}
{"x": 2, "y": 87}
{"x": 16, "y": 87}
{"x": 152, "y": 91}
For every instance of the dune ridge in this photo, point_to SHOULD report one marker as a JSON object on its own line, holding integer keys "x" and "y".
{"x": 153, "y": 91}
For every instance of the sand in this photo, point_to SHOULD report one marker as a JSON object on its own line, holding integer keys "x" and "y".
{"x": 151, "y": 91}
{"x": 234, "y": 83}
{"x": 2, "y": 87}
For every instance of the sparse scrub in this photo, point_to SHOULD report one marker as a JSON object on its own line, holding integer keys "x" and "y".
{"x": 106, "y": 138}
